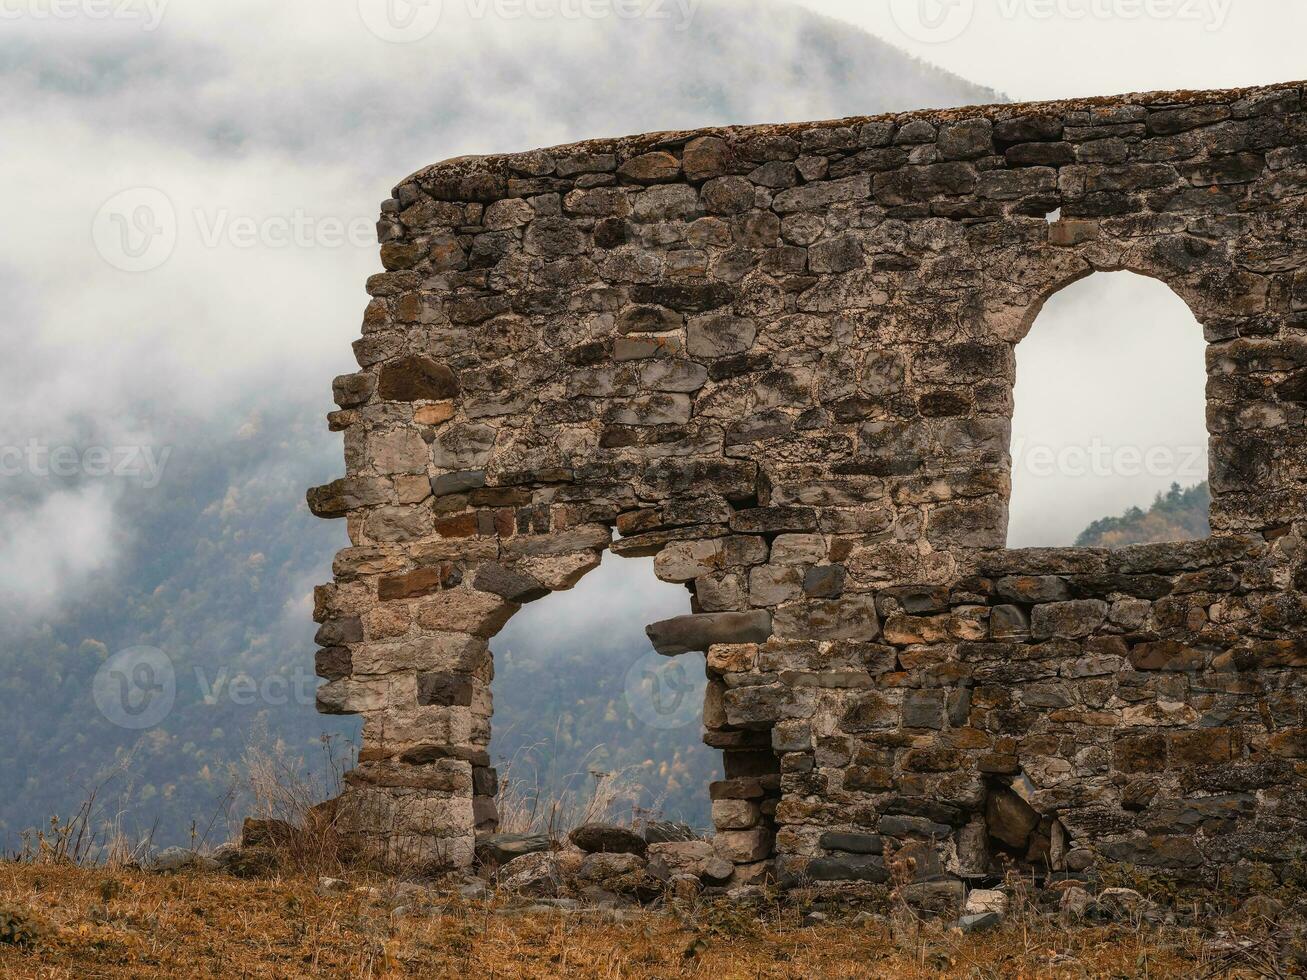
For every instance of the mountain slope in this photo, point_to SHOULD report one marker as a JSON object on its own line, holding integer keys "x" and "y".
{"x": 1179, "y": 515}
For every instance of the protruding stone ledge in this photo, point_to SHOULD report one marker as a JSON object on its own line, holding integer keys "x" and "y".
{"x": 688, "y": 634}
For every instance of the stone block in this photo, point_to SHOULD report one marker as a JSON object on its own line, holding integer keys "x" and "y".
{"x": 508, "y": 583}
{"x": 1033, "y": 588}
{"x": 1069, "y": 620}
{"x": 755, "y": 706}
{"x": 708, "y": 156}
{"x": 732, "y": 658}
{"x": 771, "y": 585}
{"x": 735, "y": 814}
{"x": 744, "y": 788}
{"x": 848, "y": 867}
{"x": 852, "y": 843}
{"x": 685, "y": 634}
{"x": 649, "y": 168}
{"x": 1009, "y": 818}
{"x": 417, "y": 583}
{"x": 446, "y": 690}
{"x": 1167, "y": 655}
{"x": 464, "y": 610}
{"x": 923, "y": 709}
{"x": 743, "y": 846}
{"x": 417, "y": 377}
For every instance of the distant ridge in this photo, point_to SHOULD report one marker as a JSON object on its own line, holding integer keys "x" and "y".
{"x": 1178, "y": 515}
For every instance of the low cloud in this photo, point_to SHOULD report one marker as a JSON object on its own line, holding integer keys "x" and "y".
{"x": 251, "y": 143}
{"x": 55, "y": 545}
{"x": 1110, "y": 406}
{"x": 604, "y": 607}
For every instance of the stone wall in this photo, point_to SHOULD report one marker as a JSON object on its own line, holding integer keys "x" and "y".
{"x": 781, "y": 359}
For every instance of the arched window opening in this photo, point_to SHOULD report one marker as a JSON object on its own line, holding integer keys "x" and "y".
{"x": 590, "y": 724}
{"x": 1109, "y": 433}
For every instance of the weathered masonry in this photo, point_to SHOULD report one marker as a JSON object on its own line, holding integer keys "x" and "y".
{"x": 781, "y": 360}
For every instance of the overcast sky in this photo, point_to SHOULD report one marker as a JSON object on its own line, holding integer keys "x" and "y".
{"x": 1052, "y": 49}
{"x": 270, "y": 132}
{"x": 1110, "y": 406}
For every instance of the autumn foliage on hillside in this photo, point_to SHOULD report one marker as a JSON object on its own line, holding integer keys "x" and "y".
{"x": 1178, "y": 515}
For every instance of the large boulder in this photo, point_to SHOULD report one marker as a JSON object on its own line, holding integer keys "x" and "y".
{"x": 180, "y": 859}
{"x": 500, "y": 849}
{"x": 598, "y": 838}
{"x": 619, "y": 874}
{"x": 982, "y": 900}
{"x": 667, "y": 831}
{"x": 604, "y": 867}
{"x": 697, "y": 858}
{"x": 536, "y": 875}
{"x": 1009, "y": 818}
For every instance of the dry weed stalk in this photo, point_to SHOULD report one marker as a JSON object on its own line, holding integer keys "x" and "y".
{"x": 90, "y": 835}
{"x": 281, "y": 789}
{"x": 527, "y": 807}
{"x": 905, "y": 923}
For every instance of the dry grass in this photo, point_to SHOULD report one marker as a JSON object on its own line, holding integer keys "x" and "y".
{"x": 96, "y": 832}
{"x": 102, "y": 923}
{"x": 270, "y": 784}
{"x": 548, "y": 802}
{"x": 609, "y": 798}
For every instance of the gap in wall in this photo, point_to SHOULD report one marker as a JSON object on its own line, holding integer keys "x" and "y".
{"x": 1110, "y": 413}
{"x": 579, "y": 691}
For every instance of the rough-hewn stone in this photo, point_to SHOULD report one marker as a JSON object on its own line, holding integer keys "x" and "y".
{"x": 594, "y": 838}
{"x": 687, "y": 633}
{"x": 781, "y": 361}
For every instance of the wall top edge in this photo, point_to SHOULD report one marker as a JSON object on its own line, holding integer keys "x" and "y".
{"x": 625, "y": 147}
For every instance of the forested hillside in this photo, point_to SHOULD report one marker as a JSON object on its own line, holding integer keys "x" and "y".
{"x": 1178, "y": 515}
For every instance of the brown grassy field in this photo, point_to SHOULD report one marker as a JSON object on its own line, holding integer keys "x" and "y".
{"x": 91, "y": 922}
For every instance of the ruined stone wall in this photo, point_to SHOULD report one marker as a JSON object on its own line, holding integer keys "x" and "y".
{"x": 781, "y": 359}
